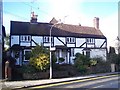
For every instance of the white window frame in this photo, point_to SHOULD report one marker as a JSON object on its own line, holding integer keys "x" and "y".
{"x": 46, "y": 39}
{"x": 22, "y": 38}
{"x": 25, "y": 52}
{"x": 72, "y": 52}
{"x": 70, "y": 40}
{"x": 90, "y": 40}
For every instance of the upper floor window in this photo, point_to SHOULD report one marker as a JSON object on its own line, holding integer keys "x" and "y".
{"x": 70, "y": 40}
{"x": 46, "y": 39}
{"x": 90, "y": 40}
{"x": 25, "y": 38}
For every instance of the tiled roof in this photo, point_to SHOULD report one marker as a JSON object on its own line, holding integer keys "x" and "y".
{"x": 53, "y": 21}
{"x": 80, "y": 29}
{"x": 61, "y": 30}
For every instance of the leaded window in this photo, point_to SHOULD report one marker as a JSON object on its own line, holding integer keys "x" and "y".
{"x": 90, "y": 40}
{"x": 25, "y": 38}
{"x": 70, "y": 40}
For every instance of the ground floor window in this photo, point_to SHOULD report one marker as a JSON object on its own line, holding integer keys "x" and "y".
{"x": 27, "y": 55}
{"x": 88, "y": 53}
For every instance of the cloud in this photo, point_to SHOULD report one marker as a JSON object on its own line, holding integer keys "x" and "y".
{"x": 68, "y": 11}
{"x": 109, "y": 27}
{"x": 62, "y": 8}
{"x": 6, "y": 22}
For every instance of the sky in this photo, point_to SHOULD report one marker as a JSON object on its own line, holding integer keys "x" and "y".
{"x": 69, "y": 11}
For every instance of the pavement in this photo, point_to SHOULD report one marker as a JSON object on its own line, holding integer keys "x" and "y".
{"x": 20, "y": 84}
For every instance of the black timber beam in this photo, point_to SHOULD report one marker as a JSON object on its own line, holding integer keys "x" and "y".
{"x": 103, "y": 44}
{"x": 61, "y": 41}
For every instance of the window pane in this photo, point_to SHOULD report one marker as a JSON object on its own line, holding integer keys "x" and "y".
{"x": 70, "y": 40}
{"x": 88, "y": 53}
{"x": 27, "y": 55}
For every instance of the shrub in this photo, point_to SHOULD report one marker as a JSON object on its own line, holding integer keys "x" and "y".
{"x": 82, "y": 59}
{"x": 93, "y": 62}
{"x": 38, "y": 50}
{"x": 81, "y": 62}
{"x": 101, "y": 66}
{"x": 99, "y": 60}
{"x": 27, "y": 69}
{"x": 40, "y": 58}
{"x": 54, "y": 58}
{"x": 41, "y": 62}
{"x": 61, "y": 59}
{"x": 112, "y": 56}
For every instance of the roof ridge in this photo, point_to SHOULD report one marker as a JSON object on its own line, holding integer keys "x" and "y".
{"x": 79, "y": 25}
{"x": 59, "y": 30}
{"x": 53, "y": 21}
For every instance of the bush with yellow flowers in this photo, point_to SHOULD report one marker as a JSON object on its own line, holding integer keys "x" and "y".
{"x": 40, "y": 58}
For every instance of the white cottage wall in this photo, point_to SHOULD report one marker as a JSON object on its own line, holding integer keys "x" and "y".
{"x": 99, "y": 42}
{"x": 98, "y": 53}
{"x": 58, "y": 42}
{"x": 14, "y": 39}
{"x": 37, "y": 39}
{"x": 80, "y": 41}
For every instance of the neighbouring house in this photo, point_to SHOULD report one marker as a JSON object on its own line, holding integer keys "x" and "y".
{"x": 3, "y": 35}
{"x": 67, "y": 39}
{"x": 3, "y": 48}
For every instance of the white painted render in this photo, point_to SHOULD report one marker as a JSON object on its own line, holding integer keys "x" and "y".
{"x": 98, "y": 42}
{"x": 37, "y": 39}
{"x": 57, "y": 42}
{"x": 63, "y": 53}
{"x": 98, "y": 53}
{"x": 80, "y": 41}
{"x": 14, "y": 40}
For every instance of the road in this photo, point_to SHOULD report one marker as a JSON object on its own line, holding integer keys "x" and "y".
{"x": 108, "y": 82}
{"x": 111, "y": 82}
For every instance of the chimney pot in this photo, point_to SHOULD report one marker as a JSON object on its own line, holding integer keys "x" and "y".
{"x": 33, "y": 18}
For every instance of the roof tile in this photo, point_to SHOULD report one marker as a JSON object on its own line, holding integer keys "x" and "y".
{"x": 43, "y": 29}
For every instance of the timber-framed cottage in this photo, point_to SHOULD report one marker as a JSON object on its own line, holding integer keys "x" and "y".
{"x": 67, "y": 39}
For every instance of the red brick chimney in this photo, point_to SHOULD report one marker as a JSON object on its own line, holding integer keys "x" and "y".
{"x": 96, "y": 22}
{"x": 33, "y": 18}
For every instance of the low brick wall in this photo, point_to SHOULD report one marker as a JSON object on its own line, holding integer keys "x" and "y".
{"x": 45, "y": 75}
{"x": 39, "y": 75}
{"x": 60, "y": 74}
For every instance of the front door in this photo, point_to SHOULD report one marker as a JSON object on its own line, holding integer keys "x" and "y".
{"x": 60, "y": 53}
{"x": 16, "y": 55}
